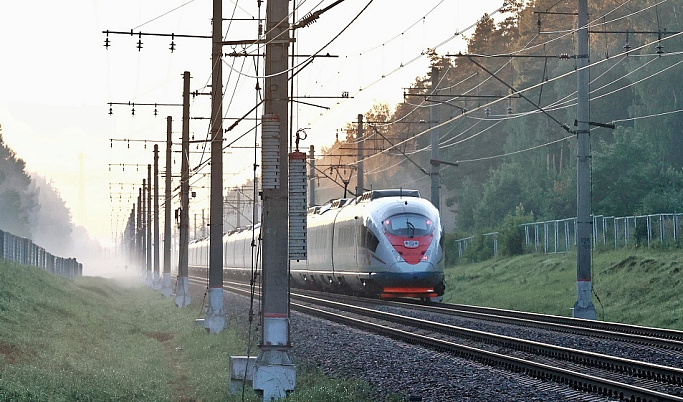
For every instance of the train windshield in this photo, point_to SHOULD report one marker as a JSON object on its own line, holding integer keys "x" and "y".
{"x": 408, "y": 225}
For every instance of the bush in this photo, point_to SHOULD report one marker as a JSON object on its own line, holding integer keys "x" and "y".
{"x": 479, "y": 249}
{"x": 511, "y": 236}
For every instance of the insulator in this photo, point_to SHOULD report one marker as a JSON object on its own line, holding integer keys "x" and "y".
{"x": 139, "y": 45}
{"x": 509, "y": 109}
{"x": 111, "y": 112}
{"x": 297, "y": 205}
{"x": 270, "y": 171}
{"x": 107, "y": 43}
{"x": 488, "y": 111}
{"x": 627, "y": 46}
{"x": 660, "y": 48}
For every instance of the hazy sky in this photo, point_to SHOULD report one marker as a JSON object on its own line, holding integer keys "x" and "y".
{"x": 56, "y": 79}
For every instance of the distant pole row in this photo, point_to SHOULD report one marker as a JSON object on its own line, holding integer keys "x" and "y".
{"x": 142, "y": 237}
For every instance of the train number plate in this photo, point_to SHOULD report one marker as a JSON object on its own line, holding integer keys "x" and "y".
{"x": 411, "y": 243}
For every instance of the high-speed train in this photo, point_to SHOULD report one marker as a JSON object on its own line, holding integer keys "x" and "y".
{"x": 384, "y": 243}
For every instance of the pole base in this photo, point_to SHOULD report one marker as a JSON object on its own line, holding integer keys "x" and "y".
{"x": 214, "y": 320}
{"x": 584, "y": 308}
{"x": 182, "y": 294}
{"x": 166, "y": 289}
{"x": 156, "y": 281}
{"x": 274, "y": 375}
{"x": 587, "y": 312}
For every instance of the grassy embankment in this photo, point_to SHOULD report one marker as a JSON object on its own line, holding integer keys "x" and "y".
{"x": 100, "y": 340}
{"x": 641, "y": 287}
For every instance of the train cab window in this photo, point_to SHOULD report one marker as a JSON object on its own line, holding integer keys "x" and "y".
{"x": 408, "y": 225}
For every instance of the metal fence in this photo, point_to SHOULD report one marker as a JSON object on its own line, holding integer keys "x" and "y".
{"x": 25, "y": 252}
{"x": 559, "y": 236}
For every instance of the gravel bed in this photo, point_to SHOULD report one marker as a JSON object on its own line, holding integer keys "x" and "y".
{"x": 395, "y": 368}
{"x": 626, "y": 350}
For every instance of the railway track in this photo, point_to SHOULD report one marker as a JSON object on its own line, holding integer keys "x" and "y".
{"x": 590, "y": 372}
{"x": 655, "y": 337}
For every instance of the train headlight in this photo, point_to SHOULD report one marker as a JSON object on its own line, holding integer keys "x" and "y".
{"x": 396, "y": 255}
{"x": 426, "y": 255}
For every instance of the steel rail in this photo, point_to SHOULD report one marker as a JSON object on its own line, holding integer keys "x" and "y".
{"x": 576, "y": 380}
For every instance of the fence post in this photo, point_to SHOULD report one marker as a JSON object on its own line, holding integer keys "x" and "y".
{"x": 649, "y": 230}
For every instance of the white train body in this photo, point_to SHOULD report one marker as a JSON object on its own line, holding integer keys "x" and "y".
{"x": 384, "y": 243}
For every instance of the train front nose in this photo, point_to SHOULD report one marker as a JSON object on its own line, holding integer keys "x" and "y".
{"x": 423, "y": 280}
{"x": 414, "y": 270}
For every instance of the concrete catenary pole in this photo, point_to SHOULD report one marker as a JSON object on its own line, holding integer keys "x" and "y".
{"x": 139, "y": 250}
{"x": 182, "y": 297}
{"x": 166, "y": 289}
{"x": 434, "y": 137}
{"x": 132, "y": 256}
{"x": 148, "y": 226}
{"x": 360, "y": 176}
{"x": 239, "y": 207}
{"x": 311, "y": 176}
{"x": 157, "y": 278}
{"x": 145, "y": 224}
{"x": 215, "y": 319}
{"x": 275, "y": 373}
{"x": 583, "y": 308}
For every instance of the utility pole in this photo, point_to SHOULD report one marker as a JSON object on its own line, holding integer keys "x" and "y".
{"x": 275, "y": 373}
{"x": 311, "y": 176}
{"x": 583, "y": 308}
{"x": 166, "y": 290}
{"x": 157, "y": 279}
{"x": 139, "y": 249}
{"x": 182, "y": 298}
{"x": 360, "y": 181}
{"x": 215, "y": 319}
{"x": 434, "y": 136}
{"x": 132, "y": 256}
{"x": 239, "y": 208}
{"x": 144, "y": 255}
{"x": 148, "y": 226}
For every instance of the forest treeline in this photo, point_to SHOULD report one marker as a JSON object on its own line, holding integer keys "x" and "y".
{"x": 31, "y": 207}
{"x": 507, "y": 109}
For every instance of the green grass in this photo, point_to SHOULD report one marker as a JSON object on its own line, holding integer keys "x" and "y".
{"x": 97, "y": 339}
{"x": 94, "y": 339}
{"x": 641, "y": 287}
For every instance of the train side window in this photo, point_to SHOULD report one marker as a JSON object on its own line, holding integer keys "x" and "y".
{"x": 368, "y": 239}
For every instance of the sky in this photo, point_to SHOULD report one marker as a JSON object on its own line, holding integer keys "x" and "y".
{"x": 57, "y": 79}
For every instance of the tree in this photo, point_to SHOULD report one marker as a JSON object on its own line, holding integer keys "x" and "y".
{"x": 50, "y": 220}
{"x": 17, "y": 198}
{"x": 623, "y": 173}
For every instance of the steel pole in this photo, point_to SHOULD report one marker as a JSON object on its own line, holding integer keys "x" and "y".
{"x": 166, "y": 281}
{"x": 583, "y": 308}
{"x": 215, "y": 319}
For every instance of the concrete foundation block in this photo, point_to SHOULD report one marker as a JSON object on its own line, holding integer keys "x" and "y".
{"x": 241, "y": 372}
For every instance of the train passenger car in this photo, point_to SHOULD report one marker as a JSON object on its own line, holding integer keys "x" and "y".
{"x": 385, "y": 243}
